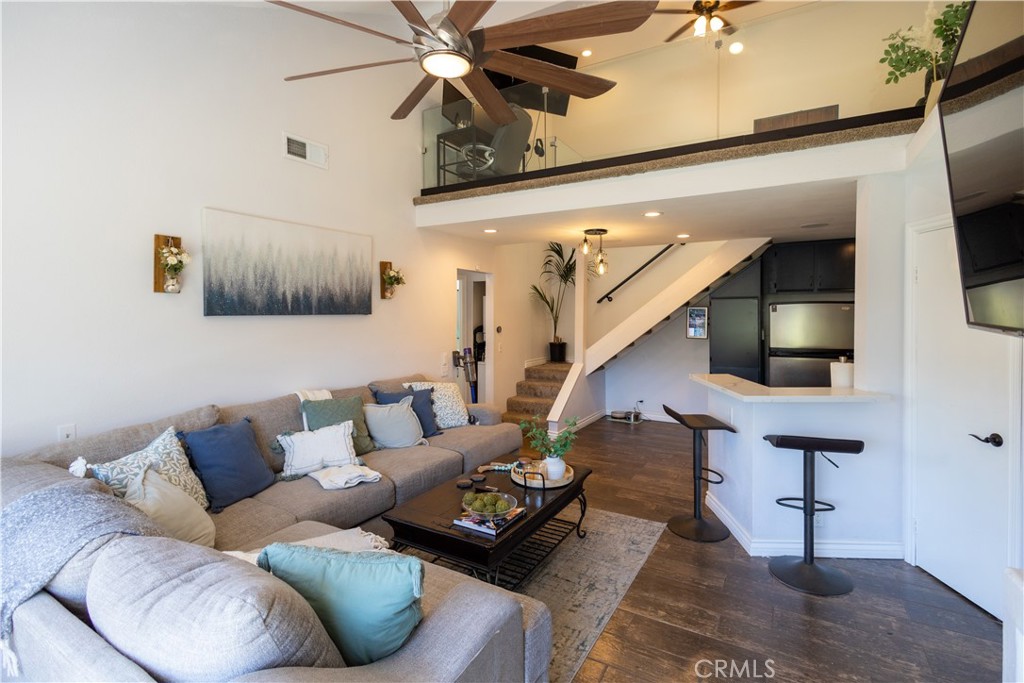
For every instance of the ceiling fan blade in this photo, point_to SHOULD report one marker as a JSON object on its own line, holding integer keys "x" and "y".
{"x": 417, "y": 94}
{"x": 725, "y": 23}
{"x": 487, "y": 95}
{"x": 583, "y": 22}
{"x": 336, "y": 20}
{"x": 735, "y": 4}
{"x": 466, "y": 14}
{"x": 551, "y": 75}
{"x": 674, "y": 11}
{"x": 685, "y": 27}
{"x": 410, "y": 13}
{"x": 328, "y": 72}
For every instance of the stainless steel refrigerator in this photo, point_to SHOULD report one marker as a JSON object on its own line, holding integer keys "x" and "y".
{"x": 804, "y": 339}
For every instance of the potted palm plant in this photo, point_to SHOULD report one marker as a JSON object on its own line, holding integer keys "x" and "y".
{"x": 559, "y": 273}
{"x": 553, "y": 450}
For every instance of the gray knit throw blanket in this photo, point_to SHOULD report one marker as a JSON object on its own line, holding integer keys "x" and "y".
{"x": 44, "y": 529}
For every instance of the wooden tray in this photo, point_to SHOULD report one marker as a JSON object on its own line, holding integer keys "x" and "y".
{"x": 535, "y": 482}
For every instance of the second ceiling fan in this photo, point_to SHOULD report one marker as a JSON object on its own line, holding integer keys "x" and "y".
{"x": 707, "y": 16}
{"x": 449, "y": 46}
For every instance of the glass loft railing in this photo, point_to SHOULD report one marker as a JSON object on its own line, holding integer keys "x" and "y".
{"x": 813, "y": 63}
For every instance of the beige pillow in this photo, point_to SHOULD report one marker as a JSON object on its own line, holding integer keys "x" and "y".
{"x": 170, "y": 507}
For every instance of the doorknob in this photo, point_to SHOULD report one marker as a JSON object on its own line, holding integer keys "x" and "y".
{"x": 993, "y": 439}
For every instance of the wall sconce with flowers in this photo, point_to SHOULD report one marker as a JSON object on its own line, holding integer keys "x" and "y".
{"x": 171, "y": 259}
{"x": 390, "y": 280}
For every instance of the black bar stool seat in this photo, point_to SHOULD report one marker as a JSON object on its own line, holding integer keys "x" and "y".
{"x": 801, "y": 573}
{"x": 697, "y": 528}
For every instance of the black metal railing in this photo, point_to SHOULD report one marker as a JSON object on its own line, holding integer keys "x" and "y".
{"x": 636, "y": 272}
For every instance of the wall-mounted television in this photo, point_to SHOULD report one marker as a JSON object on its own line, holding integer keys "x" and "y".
{"x": 982, "y": 117}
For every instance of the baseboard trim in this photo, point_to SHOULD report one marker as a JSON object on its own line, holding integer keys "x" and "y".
{"x": 866, "y": 550}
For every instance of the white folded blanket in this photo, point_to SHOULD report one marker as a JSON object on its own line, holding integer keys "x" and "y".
{"x": 350, "y": 540}
{"x": 345, "y": 476}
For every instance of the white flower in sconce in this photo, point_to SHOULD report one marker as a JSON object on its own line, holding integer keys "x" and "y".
{"x": 393, "y": 277}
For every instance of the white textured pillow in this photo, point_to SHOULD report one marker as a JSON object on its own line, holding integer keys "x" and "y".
{"x": 449, "y": 408}
{"x": 171, "y": 508}
{"x": 306, "y": 452}
{"x": 394, "y": 425}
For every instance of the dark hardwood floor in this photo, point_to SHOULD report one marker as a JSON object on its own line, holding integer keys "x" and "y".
{"x": 697, "y": 606}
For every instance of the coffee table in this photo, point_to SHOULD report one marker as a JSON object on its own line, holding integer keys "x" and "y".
{"x": 425, "y": 523}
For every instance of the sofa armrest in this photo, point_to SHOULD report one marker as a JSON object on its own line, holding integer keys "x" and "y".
{"x": 445, "y": 646}
{"x": 52, "y": 644}
{"x": 485, "y": 413}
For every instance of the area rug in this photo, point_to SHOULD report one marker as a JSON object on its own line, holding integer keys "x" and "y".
{"x": 584, "y": 579}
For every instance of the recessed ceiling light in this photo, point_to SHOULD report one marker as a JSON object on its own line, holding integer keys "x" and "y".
{"x": 682, "y": 237}
{"x": 735, "y": 48}
{"x": 652, "y": 214}
{"x": 586, "y": 53}
{"x": 490, "y": 231}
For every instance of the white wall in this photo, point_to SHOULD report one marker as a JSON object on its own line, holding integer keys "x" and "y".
{"x": 124, "y": 120}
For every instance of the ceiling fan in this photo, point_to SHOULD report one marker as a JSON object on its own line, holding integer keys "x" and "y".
{"x": 449, "y": 46}
{"x": 707, "y": 17}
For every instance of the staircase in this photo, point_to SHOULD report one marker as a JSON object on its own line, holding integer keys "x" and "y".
{"x": 536, "y": 394}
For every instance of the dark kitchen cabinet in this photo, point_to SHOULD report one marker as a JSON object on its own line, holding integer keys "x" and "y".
{"x": 825, "y": 266}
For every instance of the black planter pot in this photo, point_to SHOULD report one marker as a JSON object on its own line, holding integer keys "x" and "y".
{"x": 556, "y": 351}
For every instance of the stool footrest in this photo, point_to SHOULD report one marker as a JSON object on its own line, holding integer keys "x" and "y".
{"x": 718, "y": 474}
{"x": 819, "y": 505}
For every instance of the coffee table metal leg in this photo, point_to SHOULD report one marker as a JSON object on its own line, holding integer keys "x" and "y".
{"x": 582, "y": 498}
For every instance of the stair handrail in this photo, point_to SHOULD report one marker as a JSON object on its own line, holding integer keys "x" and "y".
{"x": 636, "y": 272}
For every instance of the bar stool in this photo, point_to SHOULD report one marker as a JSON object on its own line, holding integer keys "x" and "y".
{"x": 696, "y": 528}
{"x": 801, "y": 573}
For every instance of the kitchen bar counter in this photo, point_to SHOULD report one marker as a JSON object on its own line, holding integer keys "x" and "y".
{"x": 751, "y": 392}
{"x": 868, "y": 520}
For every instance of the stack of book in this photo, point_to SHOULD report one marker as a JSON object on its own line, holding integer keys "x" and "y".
{"x": 491, "y": 527}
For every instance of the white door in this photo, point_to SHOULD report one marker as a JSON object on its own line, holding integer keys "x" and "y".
{"x": 962, "y": 384}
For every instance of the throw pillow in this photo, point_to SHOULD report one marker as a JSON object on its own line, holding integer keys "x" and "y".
{"x": 306, "y": 452}
{"x": 167, "y": 457}
{"x": 394, "y": 425}
{"x": 369, "y": 602}
{"x": 422, "y": 405}
{"x": 334, "y": 411}
{"x": 171, "y": 508}
{"x": 229, "y": 462}
{"x": 449, "y": 407}
{"x": 188, "y": 613}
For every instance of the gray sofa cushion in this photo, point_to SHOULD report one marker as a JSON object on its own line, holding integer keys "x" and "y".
{"x": 19, "y": 477}
{"x": 296, "y": 533}
{"x": 480, "y": 444}
{"x": 414, "y": 469}
{"x": 269, "y": 418}
{"x": 184, "y": 612}
{"x": 116, "y": 443}
{"x": 69, "y": 585}
{"x": 305, "y": 499}
{"x": 438, "y": 582}
{"x": 395, "y": 384}
{"x": 248, "y": 519}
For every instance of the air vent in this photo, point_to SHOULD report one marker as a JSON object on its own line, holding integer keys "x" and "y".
{"x": 308, "y": 151}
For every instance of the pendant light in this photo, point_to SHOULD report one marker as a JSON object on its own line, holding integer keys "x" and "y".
{"x": 601, "y": 257}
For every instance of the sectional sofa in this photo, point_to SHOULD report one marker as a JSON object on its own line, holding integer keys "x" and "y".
{"x": 508, "y": 638}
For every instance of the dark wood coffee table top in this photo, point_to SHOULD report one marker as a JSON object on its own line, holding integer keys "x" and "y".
{"x": 425, "y": 522}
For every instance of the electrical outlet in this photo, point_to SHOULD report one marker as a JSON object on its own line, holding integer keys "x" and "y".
{"x": 66, "y": 432}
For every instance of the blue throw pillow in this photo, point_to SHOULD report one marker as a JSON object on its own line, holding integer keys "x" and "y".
{"x": 228, "y": 462}
{"x": 369, "y": 602}
{"x": 422, "y": 405}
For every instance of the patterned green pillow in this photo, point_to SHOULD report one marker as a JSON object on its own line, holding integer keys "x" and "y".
{"x": 168, "y": 459}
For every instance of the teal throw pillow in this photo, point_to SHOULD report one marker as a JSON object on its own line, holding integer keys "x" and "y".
{"x": 369, "y": 602}
{"x": 334, "y": 411}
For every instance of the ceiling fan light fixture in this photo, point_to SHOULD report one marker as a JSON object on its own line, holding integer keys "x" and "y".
{"x": 716, "y": 24}
{"x": 446, "y": 63}
{"x": 701, "y": 27}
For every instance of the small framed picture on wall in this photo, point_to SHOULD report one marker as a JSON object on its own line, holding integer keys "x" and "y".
{"x": 696, "y": 322}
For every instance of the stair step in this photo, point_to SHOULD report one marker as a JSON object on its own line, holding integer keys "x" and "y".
{"x": 554, "y": 372}
{"x": 537, "y": 387}
{"x": 532, "y": 405}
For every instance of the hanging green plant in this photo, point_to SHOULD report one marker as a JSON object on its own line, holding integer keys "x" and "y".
{"x": 929, "y": 46}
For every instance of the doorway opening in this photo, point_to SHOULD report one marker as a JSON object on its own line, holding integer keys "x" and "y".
{"x": 473, "y": 321}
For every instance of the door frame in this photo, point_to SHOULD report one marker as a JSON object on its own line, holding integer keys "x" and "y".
{"x": 1015, "y": 429}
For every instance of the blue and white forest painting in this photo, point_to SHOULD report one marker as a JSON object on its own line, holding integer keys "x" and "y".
{"x": 262, "y": 266}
